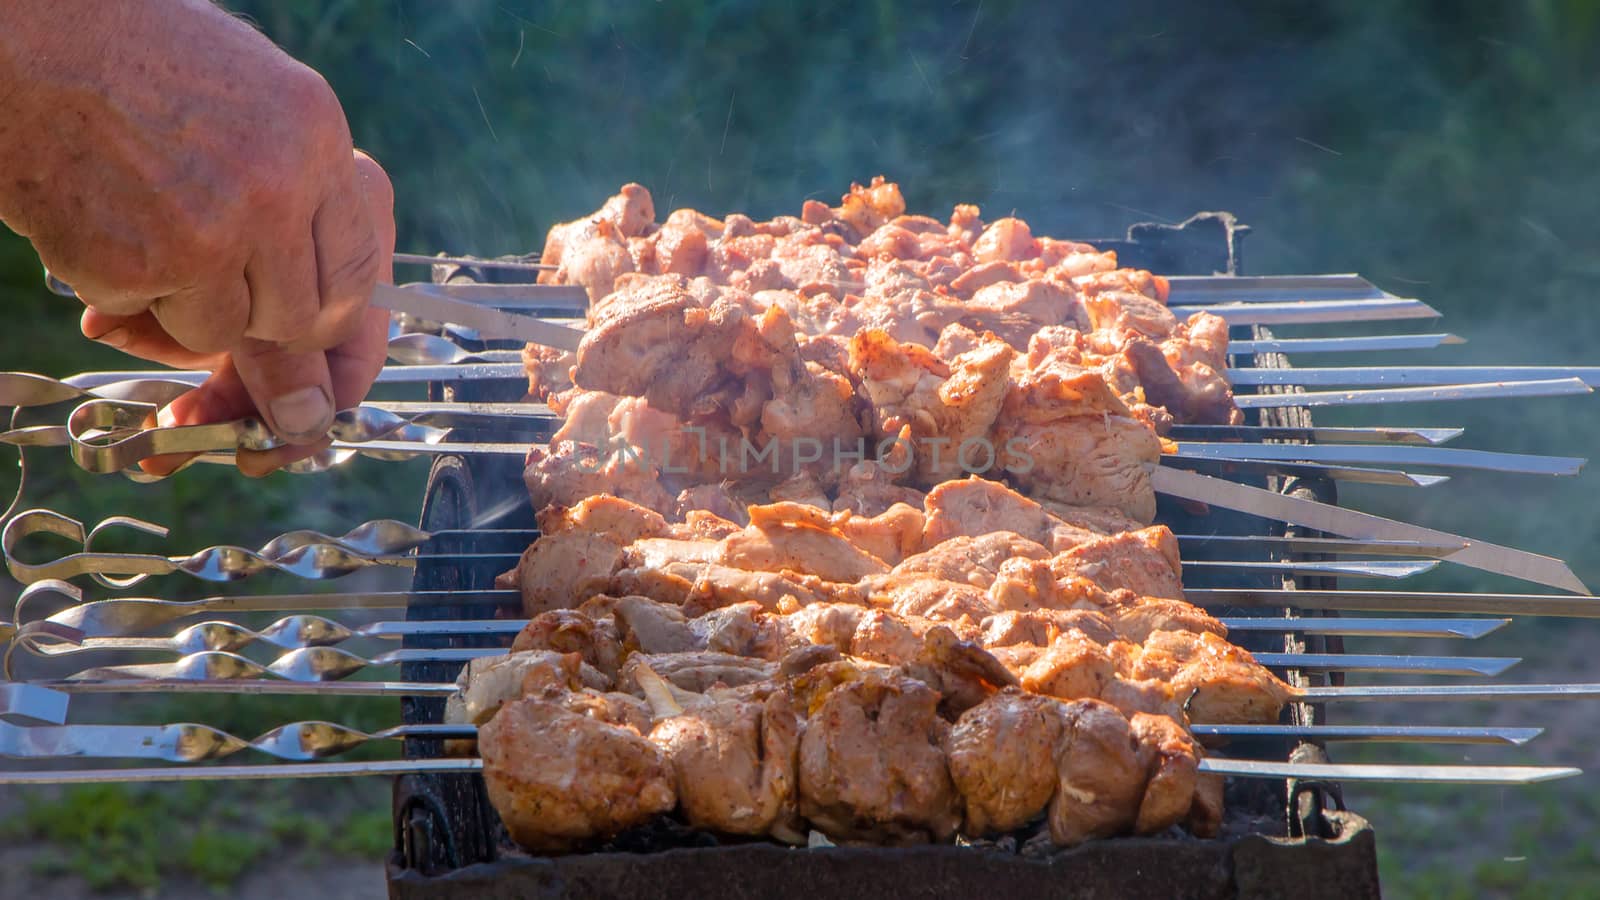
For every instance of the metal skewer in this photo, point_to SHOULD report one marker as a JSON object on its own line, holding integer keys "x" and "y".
{"x": 423, "y": 259}
{"x": 1436, "y": 550}
{"x": 1407, "y": 734}
{"x": 1349, "y": 523}
{"x": 1487, "y": 666}
{"x": 1390, "y": 455}
{"x": 1410, "y": 375}
{"x": 308, "y": 741}
{"x": 1316, "y": 435}
{"x": 1234, "y": 767}
{"x": 129, "y": 615}
{"x": 1353, "y": 568}
{"x": 187, "y": 742}
{"x": 324, "y": 664}
{"x": 293, "y": 632}
{"x": 1191, "y": 289}
{"x": 1313, "y": 312}
{"x": 1560, "y": 387}
{"x": 1453, "y": 692}
{"x": 1584, "y": 607}
{"x": 1353, "y": 474}
{"x": 1470, "y": 629}
{"x": 1356, "y": 344}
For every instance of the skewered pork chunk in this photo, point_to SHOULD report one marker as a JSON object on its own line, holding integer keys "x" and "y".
{"x": 696, "y": 672}
{"x": 872, "y": 760}
{"x": 1223, "y": 682}
{"x": 1003, "y": 760}
{"x": 620, "y": 519}
{"x": 1172, "y": 760}
{"x": 561, "y": 779}
{"x": 1100, "y": 778}
{"x": 974, "y": 507}
{"x": 558, "y": 569}
{"x": 1145, "y": 562}
{"x": 1086, "y": 461}
{"x": 596, "y": 641}
{"x": 971, "y": 559}
{"x": 733, "y": 756}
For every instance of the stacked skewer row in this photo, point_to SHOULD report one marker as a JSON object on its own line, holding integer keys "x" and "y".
{"x": 98, "y": 418}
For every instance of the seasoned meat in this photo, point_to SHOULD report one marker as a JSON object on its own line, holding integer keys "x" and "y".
{"x": 557, "y": 570}
{"x": 1145, "y": 562}
{"x": 975, "y": 507}
{"x": 1100, "y": 778}
{"x": 1172, "y": 760}
{"x": 734, "y": 762}
{"x": 1221, "y": 681}
{"x": 872, "y": 763}
{"x": 1003, "y": 760}
{"x": 972, "y": 560}
{"x": 561, "y": 779}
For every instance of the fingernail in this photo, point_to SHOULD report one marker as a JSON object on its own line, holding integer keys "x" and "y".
{"x": 306, "y": 413}
{"x": 116, "y": 337}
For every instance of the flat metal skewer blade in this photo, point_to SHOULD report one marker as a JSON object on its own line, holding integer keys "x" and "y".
{"x": 1431, "y": 550}
{"x": 1313, "y": 312}
{"x": 1358, "y": 344}
{"x": 1500, "y": 390}
{"x": 1469, "y": 629}
{"x": 263, "y": 771}
{"x": 1193, "y": 289}
{"x": 1352, "y": 568}
{"x": 33, "y": 702}
{"x": 1243, "y": 768}
{"x": 423, "y": 259}
{"x": 448, "y": 372}
{"x": 1398, "y": 734}
{"x": 565, "y": 299}
{"x": 1368, "y": 693}
{"x": 1316, "y": 435}
{"x": 253, "y": 687}
{"x": 1354, "y": 474}
{"x": 1350, "y": 523}
{"x": 1350, "y": 376}
{"x": 1469, "y": 666}
{"x": 491, "y": 322}
{"x": 1579, "y": 607}
{"x": 1388, "y": 455}
{"x": 1239, "y": 768}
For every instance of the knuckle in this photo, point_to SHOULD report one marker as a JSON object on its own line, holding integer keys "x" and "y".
{"x": 351, "y": 278}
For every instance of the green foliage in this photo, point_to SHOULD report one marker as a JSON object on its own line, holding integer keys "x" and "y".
{"x": 121, "y": 837}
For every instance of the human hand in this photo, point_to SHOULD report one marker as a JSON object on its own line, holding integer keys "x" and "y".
{"x": 199, "y": 190}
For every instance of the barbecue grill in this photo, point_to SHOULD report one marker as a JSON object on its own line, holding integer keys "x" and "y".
{"x": 1273, "y": 577}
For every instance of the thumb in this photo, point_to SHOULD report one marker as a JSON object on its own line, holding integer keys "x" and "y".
{"x": 292, "y": 391}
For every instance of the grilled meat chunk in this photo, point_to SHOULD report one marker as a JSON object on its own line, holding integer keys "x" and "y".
{"x": 1003, "y": 760}
{"x": 562, "y": 779}
{"x": 1145, "y": 562}
{"x": 734, "y": 760}
{"x": 872, "y": 761}
{"x": 1100, "y": 780}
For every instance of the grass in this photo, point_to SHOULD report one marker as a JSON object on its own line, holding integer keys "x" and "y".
{"x": 132, "y": 837}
